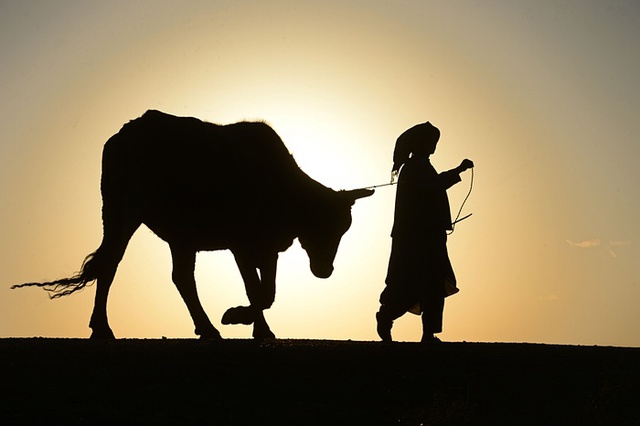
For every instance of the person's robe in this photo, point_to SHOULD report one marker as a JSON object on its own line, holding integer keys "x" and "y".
{"x": 419, "y": 265}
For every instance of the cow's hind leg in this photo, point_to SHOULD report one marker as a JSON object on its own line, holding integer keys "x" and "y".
{"x": 103, "y": 264}
{"x": 183, "y": 277}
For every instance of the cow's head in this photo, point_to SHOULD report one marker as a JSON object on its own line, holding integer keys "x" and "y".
{"x": 323, "y": 232}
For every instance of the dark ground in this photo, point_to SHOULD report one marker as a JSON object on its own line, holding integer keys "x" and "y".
{"x": 76, "y": 381}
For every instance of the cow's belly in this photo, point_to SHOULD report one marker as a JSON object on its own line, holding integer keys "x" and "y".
{"x": 208, "y": 235}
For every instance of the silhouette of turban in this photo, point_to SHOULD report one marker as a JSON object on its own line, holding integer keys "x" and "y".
{"x": 409, "y": 141}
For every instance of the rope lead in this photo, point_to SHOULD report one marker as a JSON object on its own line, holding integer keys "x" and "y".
{"x": 456, "y": 220}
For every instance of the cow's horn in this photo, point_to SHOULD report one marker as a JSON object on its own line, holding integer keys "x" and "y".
{"x": 359, "y": 193}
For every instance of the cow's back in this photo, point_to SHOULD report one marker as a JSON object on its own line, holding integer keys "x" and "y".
{"x": 188, "y": 147}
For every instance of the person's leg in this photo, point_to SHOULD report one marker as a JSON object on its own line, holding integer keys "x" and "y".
{"x": 385, "y": 317}
{"x": 433, "y": 310}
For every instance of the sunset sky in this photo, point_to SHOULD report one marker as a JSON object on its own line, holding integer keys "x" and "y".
{"x": 543, "y": 96}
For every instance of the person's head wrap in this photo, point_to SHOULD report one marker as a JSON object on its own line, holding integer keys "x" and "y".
{"x": 412, "y": 140}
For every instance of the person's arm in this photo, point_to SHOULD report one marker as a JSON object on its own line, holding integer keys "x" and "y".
{"x": 465, "y": 165}
{"x": 451, "y": 177}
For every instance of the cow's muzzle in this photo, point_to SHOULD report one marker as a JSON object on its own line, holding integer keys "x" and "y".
{"x": 324, "y": 271}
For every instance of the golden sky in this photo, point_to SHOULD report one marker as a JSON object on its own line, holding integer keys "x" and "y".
{"x": 544, "y": 98}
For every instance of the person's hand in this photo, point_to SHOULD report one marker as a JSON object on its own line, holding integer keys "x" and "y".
{"x": 465, "y": 165}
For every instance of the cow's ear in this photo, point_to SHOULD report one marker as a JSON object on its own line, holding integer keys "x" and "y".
{"x": 355, "y": 194}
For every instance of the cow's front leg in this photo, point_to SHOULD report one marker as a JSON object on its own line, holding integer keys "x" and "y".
{"x": 183, "y": 277}
{"x": 267, "y": 292}
{"x": 261, "y": 329}
{"x": 260, "y": 291}
{"x": 267, "y": 296}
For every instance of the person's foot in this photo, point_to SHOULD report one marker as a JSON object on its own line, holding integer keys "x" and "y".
{"x": 430, "y": 339}
{"x": 384, "y": 327}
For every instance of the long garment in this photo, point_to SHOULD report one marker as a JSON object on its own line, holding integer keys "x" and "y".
{"x": 420, "y": 274}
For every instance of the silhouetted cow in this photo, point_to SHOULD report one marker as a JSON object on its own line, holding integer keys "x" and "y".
{"x": 201, "y": 186}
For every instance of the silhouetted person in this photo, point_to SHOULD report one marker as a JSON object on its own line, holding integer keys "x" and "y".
{"x": 420, "y": 275}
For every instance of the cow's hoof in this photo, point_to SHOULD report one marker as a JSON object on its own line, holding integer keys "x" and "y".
{"x": 211, "y": 336}
{"x": 262, "y": 334}
{"x": 208, "y": 333}
{"x": 239, "y": 315}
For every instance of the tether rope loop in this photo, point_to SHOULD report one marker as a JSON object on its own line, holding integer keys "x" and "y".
{"x": 458, "y": 219}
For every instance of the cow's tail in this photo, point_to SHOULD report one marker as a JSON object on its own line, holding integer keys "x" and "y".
{"x": 66, "y": 286}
